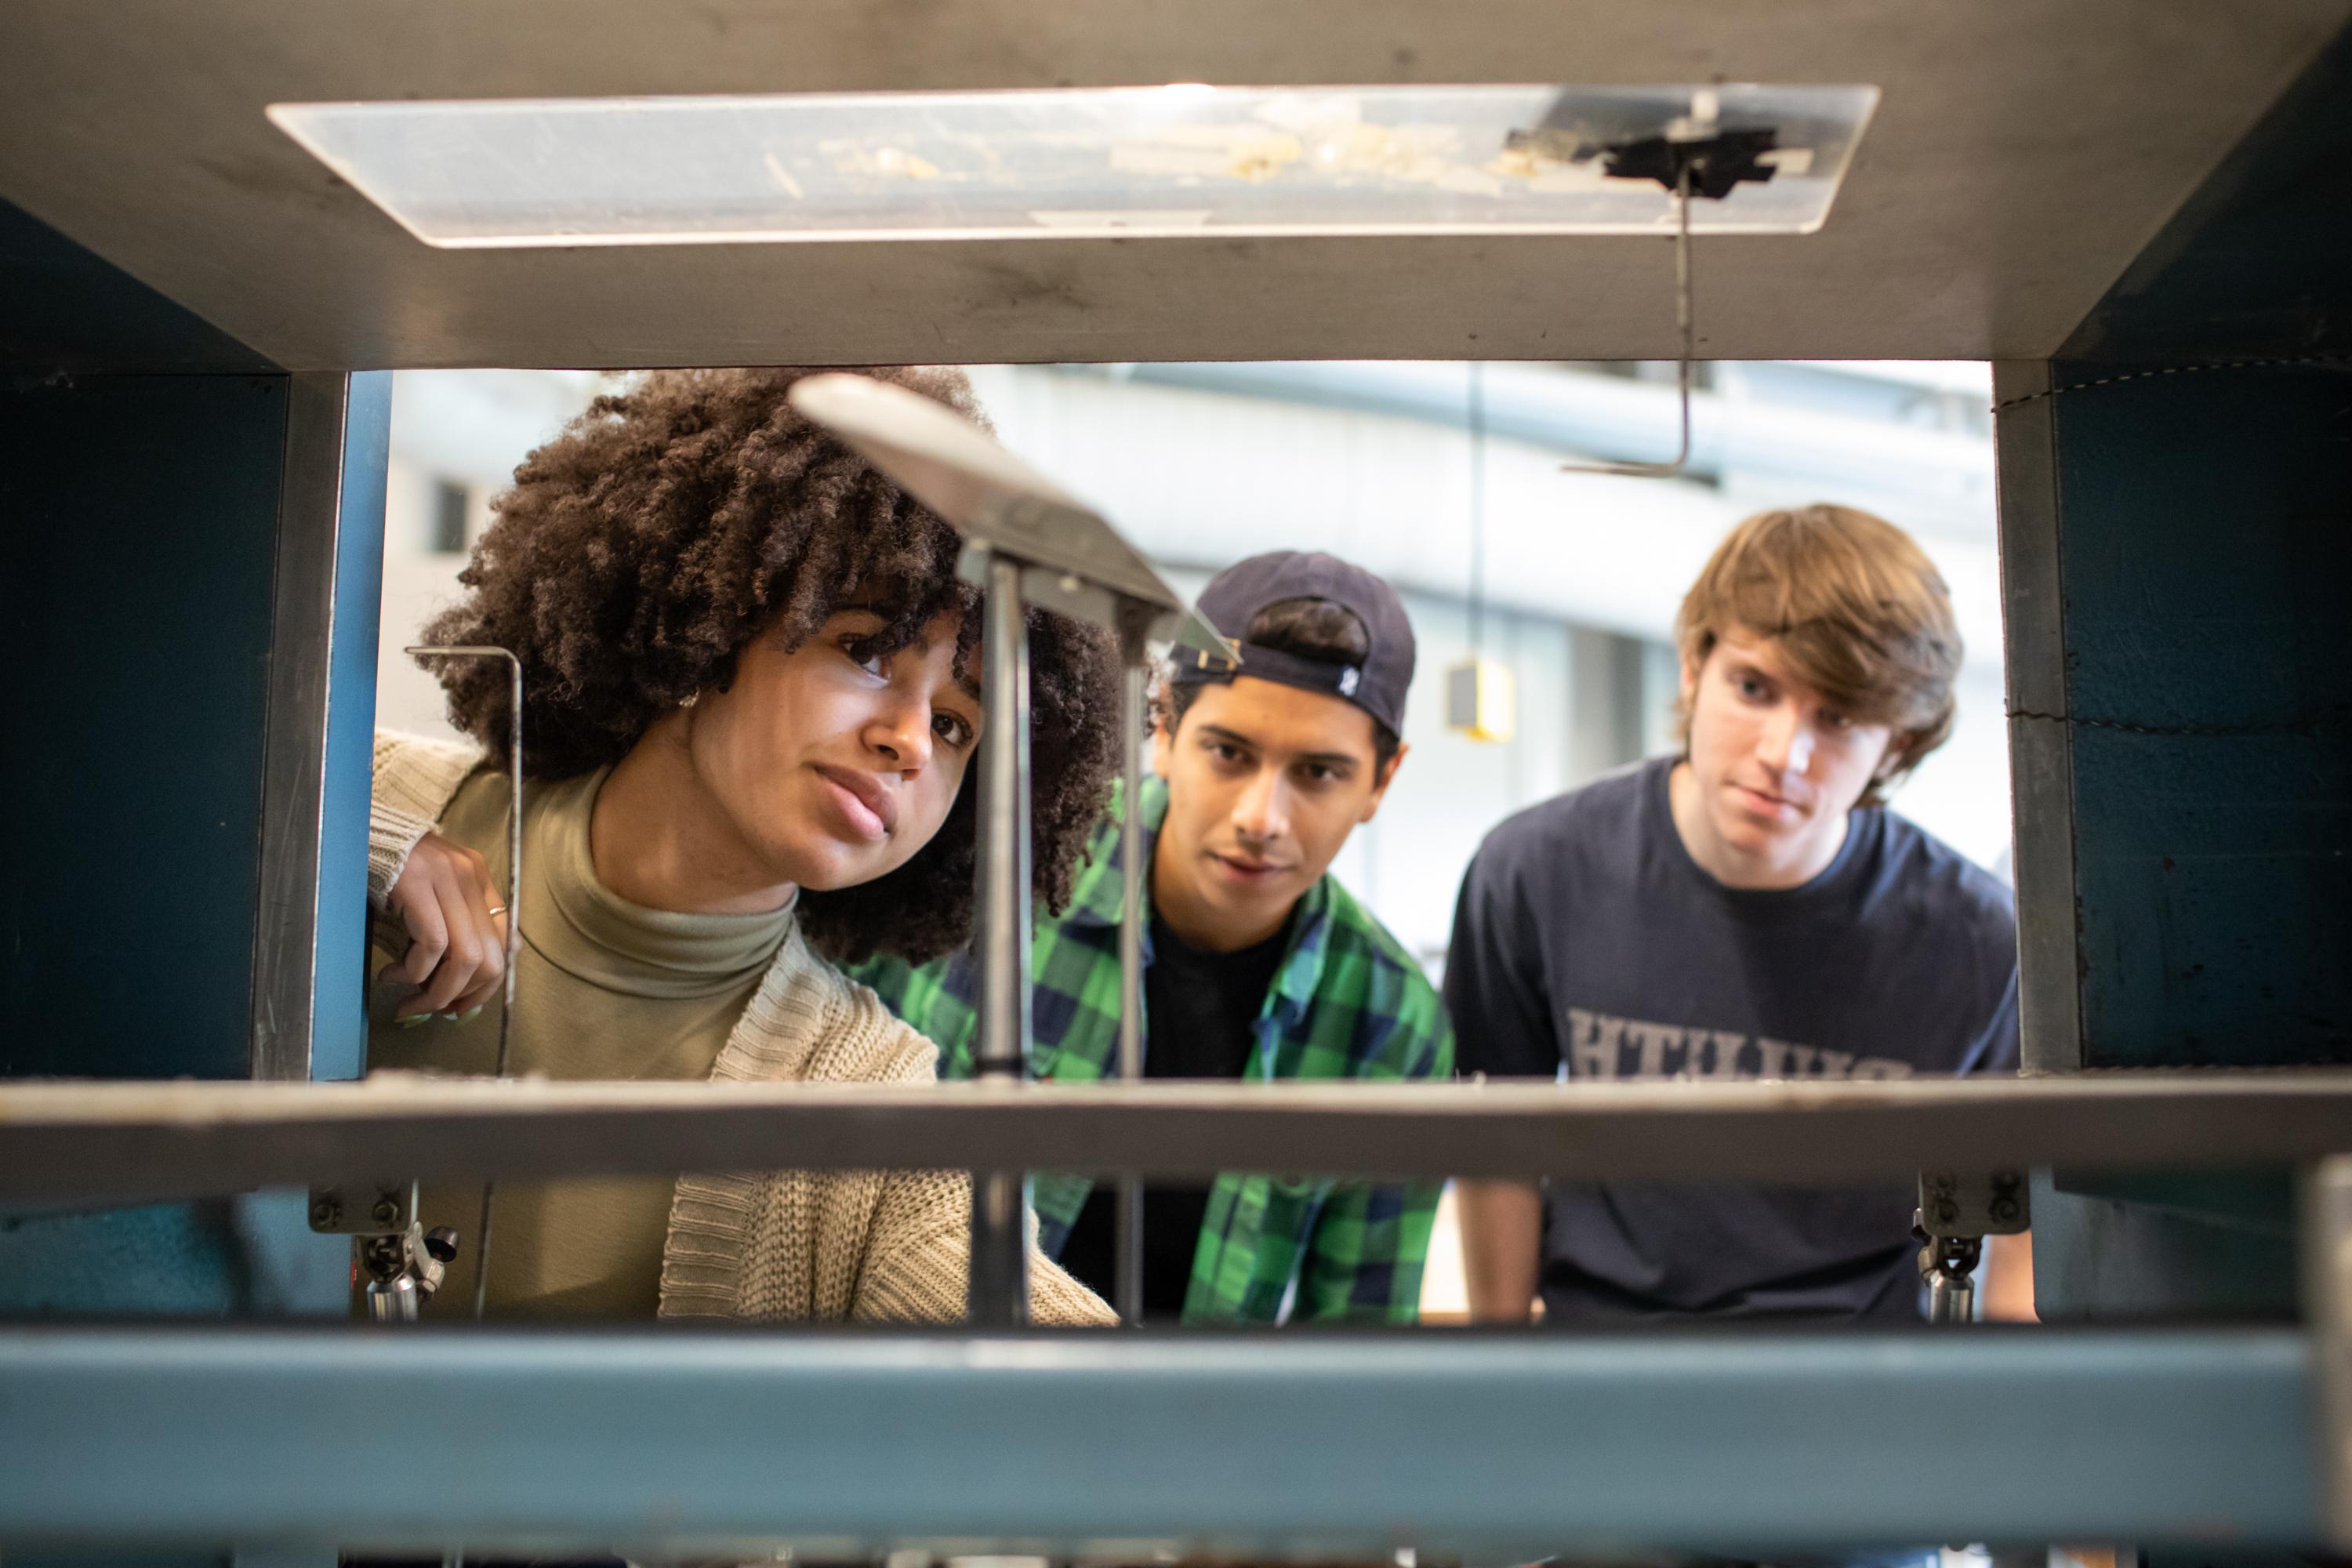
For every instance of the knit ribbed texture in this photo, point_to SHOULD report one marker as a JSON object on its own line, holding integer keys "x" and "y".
{"x": 415, "y": 778}
{"x": 799, "y": 1245}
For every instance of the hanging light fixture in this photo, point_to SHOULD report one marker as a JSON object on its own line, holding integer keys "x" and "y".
{"x": 1480, "y": 696}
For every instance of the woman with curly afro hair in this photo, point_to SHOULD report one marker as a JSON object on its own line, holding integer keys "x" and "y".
{"x": 749, "y": 698}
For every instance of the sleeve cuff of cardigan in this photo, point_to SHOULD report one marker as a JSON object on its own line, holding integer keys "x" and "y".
{"x": 392, "y": 835}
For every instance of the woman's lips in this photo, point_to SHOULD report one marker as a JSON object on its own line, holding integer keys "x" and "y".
{"x": 862, "y": 802}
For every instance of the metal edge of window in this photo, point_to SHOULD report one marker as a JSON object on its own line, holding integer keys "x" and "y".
{"x": 311, "y": 881}
{"x": 2041, "y": 744}
{"x": 154, "y": 1141}
{"x": 683, "y": 1443}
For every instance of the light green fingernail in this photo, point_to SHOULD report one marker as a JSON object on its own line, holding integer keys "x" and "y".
{"x": 470, "y": 1014}
{"x": 412, "y": 1020}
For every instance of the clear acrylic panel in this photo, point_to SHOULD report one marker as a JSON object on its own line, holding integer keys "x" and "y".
{"x": 1155, "y": 161}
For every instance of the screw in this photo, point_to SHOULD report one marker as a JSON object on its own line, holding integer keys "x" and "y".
{"x": 385, "y": 1211}
{"x": 1946, "y": 1212}
{"x": 2004, "y": 1209}
{"x": 326, "y": 1212}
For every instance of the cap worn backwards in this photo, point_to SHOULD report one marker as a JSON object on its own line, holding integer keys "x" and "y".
{"x": 1376, "y": 683}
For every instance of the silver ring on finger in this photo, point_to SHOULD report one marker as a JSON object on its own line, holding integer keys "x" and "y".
{"x": 498, "y": 909}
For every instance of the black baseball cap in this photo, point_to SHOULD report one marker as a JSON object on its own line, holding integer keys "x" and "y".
{"x": 1234, "y": 597}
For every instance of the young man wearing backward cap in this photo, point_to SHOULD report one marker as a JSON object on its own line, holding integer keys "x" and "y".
{"x": 1257, "y": 963}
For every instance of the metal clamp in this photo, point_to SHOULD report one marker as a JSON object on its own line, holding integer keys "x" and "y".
{"x": 1695, "y": 156}
{"x": 402, "y": 1262}
{"x": 1977, "y": 1203}
{"x": 1957, "y": 1211}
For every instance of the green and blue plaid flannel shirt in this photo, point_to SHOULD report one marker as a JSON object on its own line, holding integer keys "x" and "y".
{"x": 1348, "y": 1002}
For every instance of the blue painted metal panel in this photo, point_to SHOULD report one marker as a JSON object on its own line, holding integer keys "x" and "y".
{"x": 136, "y": 574}
{"x": 2121, "y": 1255}
{"x": 2206, "y": 542}
{"x": 339, "y": 1026}
{"x": 137, "y": 582}
{"x": 1510, "y": 1443}
{"x": 2208, "y": 552}
{"x": 248, "y": 1257}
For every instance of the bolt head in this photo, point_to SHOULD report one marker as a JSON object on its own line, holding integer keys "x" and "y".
{"x": 325, "y": 1212}
{"x": 1945, "y": 1213}
{"x": 2004, "y": 1209}
{"x": 385, "y": 1211}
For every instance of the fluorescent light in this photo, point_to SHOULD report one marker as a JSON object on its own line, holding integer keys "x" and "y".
{"x": 1183, "y": 159}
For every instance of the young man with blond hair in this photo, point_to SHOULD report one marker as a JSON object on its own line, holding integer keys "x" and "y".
{"x": 1749, "y": 909}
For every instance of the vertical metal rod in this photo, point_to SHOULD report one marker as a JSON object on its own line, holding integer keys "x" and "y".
{"x": 2326, "y": 1206}
{"x": 514, "y": 916}
{"x": 1951, "y": 1299}
{"x": 1128, "y": 1284}
{"x": 999, "y": 1288}
{"x": 1683, "y": 299}
{"x": 1477, "y": 414}
{"x": 1674, "y": 466}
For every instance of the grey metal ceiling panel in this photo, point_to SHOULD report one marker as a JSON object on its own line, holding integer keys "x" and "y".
{"x": 64, "y": 309}
{"x": 2025, "y": 153}
{"x": 2259, "y": 262}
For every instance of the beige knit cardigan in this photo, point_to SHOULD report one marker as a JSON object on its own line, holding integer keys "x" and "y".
{"x": 805, "y": 1246}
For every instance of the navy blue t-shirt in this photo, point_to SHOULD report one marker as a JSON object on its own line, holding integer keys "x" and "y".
{"x": 1588, "y": 943}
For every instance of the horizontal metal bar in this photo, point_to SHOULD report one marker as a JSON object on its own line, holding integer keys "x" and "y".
{"x": 121, "y": 1142}
{"x": 692, "y": 1443}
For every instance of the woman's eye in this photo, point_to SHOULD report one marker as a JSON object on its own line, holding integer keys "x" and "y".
{"x": 1833, "y": 720}
{"x": 1751, "y": 687}
{"x": 951, "y": 730}
{"x": 861, "y": 653}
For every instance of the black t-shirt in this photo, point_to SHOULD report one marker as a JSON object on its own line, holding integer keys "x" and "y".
{"x": 1201, "y": 1012}
{"x": 1588, "y": 943}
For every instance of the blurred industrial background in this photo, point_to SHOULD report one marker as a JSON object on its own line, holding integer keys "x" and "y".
{"x": 1399, "y": 465}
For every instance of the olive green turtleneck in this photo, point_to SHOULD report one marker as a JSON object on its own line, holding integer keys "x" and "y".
{"x": 604, "y": 989}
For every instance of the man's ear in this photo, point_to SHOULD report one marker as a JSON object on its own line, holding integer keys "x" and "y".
{"x": 1381, "y": 785}
{"x": 1898, "y": 749}
{"x": 1163, "y": 742}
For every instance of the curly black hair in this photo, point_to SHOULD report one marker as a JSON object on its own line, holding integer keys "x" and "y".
{"x": 674, "y": 521}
